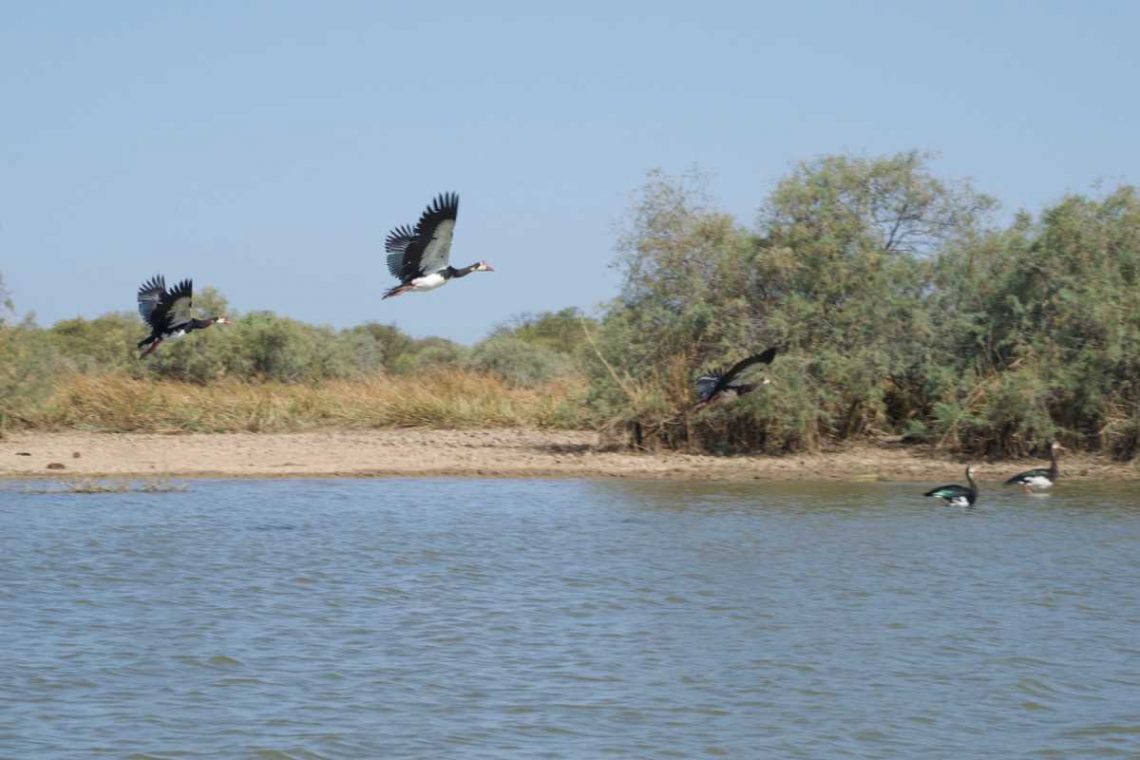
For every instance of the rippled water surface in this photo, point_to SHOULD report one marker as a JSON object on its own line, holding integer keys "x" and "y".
{"x": 576, "y": 619}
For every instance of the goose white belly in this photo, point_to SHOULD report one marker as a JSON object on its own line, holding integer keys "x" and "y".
{"x": 428, "y": 281}
{"x": 1038, "y": 483}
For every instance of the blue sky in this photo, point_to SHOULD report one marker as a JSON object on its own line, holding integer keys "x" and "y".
{"x": 266, "y": 148}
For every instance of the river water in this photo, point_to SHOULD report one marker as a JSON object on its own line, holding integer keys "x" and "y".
{"x": 443, "y": 618}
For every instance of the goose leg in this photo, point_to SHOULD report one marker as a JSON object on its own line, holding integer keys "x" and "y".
{"x": 150, "y": 349}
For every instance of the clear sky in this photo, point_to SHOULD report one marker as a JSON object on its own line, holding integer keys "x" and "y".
{"x": 266, "y": 148}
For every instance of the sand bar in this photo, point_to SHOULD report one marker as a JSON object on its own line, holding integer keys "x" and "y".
{"x": 470, "y": 453}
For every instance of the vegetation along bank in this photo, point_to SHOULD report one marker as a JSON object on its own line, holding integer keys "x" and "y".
{"x": 902, "y": 307}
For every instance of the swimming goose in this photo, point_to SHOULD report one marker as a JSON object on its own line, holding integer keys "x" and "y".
{"x": 956, "y": 495}
{"x": 1040, "y": 478}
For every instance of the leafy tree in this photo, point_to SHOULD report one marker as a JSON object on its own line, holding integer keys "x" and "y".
{"x": 836, "y": 275}
{"x": 1054, "y": 303}
{"x": 842, "y": 275}
{"x": 898, "y": 307}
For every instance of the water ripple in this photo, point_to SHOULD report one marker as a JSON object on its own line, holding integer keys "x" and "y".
{"x": 499, "y": 619}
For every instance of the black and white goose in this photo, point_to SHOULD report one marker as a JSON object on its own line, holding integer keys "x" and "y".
{"x": 721, "y": 384}
{"x": 956, "y": 495}
{"x": 419, "y": 258}
{"x": 1041, "y": 478}
{"x": 169, "y": 313}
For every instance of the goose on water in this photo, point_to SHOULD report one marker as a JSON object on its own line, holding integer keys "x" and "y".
{"x": 1040, "y": 478}
{"x": 956, "y": 495}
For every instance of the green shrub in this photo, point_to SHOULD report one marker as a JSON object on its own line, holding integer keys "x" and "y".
{"x": 106, "y": 343}
{"x": 430, "y": 354}
{"x": 516, "y": 362}
{"x": 898, "y": 307}
{"x": 559, "y": 331}
{"x": 28, "y": 368}
{"x": 377, "y": 346}
{"x": 904, "y": 312}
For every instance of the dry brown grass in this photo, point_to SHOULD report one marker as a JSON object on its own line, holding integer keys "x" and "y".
{"x": 443, "y": 399}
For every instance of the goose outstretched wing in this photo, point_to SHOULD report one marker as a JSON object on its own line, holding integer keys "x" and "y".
{"x": 397, "y": 247}
{"x": 150, "y": 297}
{"x": 427, "y": 248}
{"x": 177, "y": 304}
{"x": 721, "y": 380}
{"x": 705, "y": 385}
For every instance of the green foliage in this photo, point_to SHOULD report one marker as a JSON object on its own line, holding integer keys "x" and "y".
{"x": 266, "y": 371}
{"x": 263, "y": 346}
{"x": 26, "y": 367}
{"x": 561, "y": 331}
{"x": 427, "y": 354}
{"x": 517, "y": 362}
{"x": 378, "y": 346}
{"x": 898, "y": 309}
{"x": 275, "y": 348}
{"x": 7, "y": 308}
{"x": 533, "y": 349}
{"x": 1053, "y": 303}
{"x": 106, "y": 343}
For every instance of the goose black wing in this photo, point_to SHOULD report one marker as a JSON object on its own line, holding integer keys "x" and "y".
{"x": 397, "y": 246}
{"x": 1021, "y": 477}
{"x": 176, "y": 305}
{"x": 427, "y": 248}
{"x": 950, "y": 492}
{"x": 150, "y": 300}
{"x": 725, "y": 379}
{"x": 706, "y": 384}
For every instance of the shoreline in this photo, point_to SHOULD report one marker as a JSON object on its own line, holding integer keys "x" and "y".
{"x": 486, "y": 453}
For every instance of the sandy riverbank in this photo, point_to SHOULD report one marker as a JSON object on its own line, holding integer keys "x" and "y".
{"x": 472, "y": 453}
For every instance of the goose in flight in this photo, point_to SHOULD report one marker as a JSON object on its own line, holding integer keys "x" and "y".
{"x": 418, "y": 257}
{"x": 721, "y": 384}
{"x": 169, "y": 313}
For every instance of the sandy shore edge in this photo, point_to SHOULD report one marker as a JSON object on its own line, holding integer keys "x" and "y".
{"x": 470, "y": 453}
